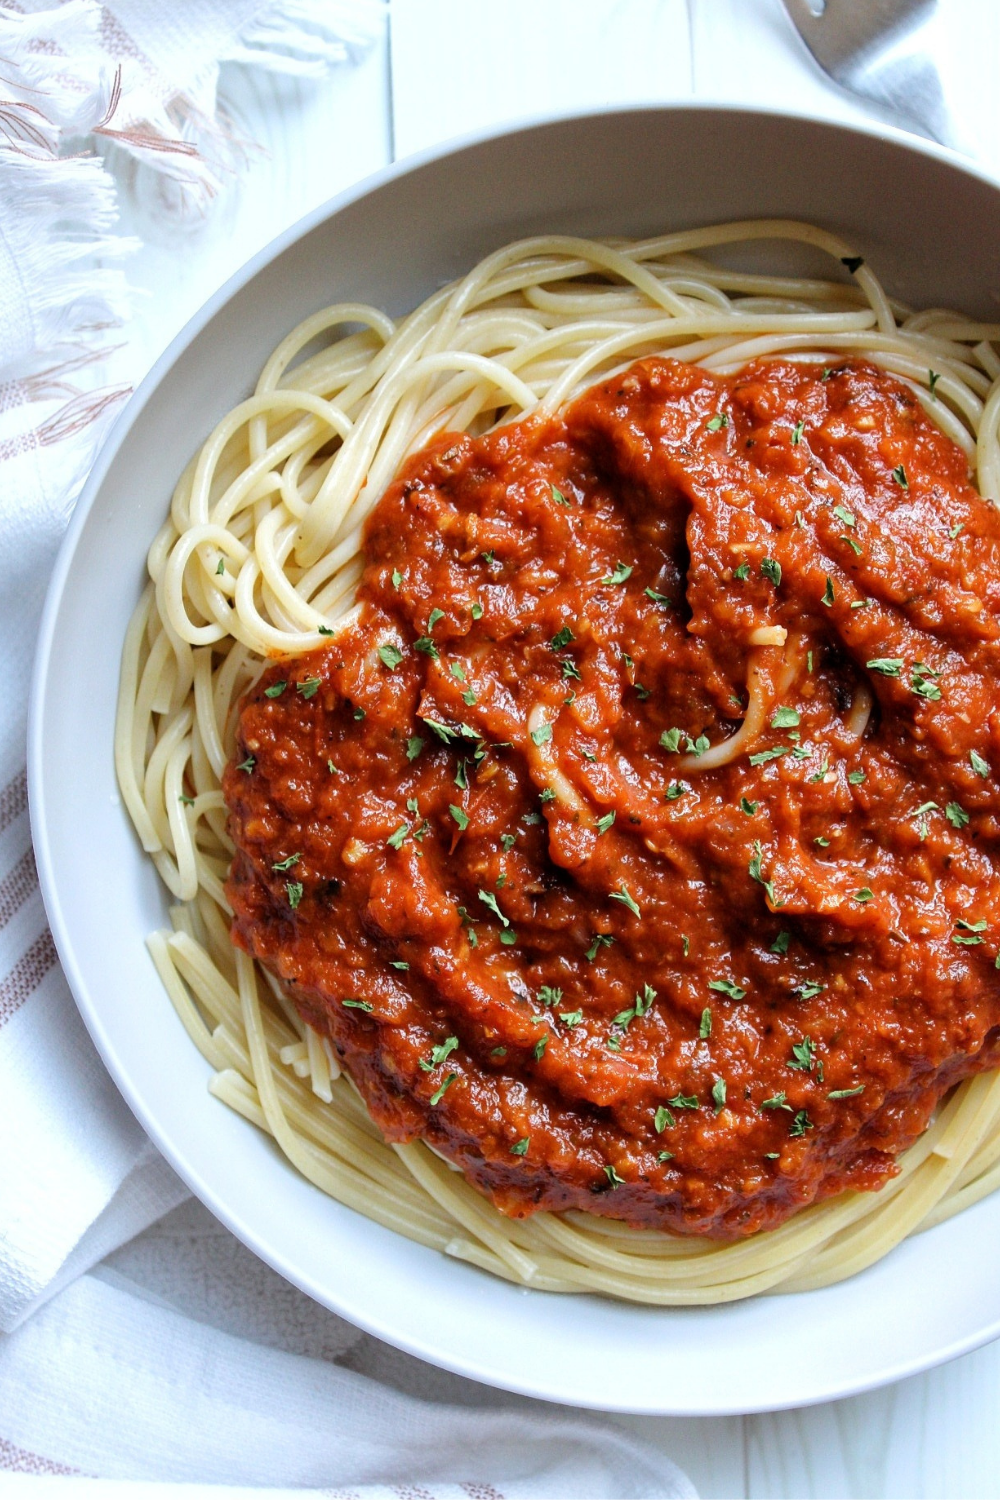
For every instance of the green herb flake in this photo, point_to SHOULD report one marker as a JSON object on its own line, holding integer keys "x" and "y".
{"x": 508, "y": 938}
{"x": 705, "y": 1025}
{"x": 980, "y": 766}
{"x": 461, "y": 818}
{"x": 247, "y": 765}
{"x": 899, "y": 475}
{"x": 477, "y": 610}
{"x": 623, "y": 896}
{"x": 620, "y": 574}
{"x": 844, "y": 516}
{"x": 600, "y": 940}
{"x": 670, "y": 740}
{"x": 683, "y": 1101}
{"x": 439, "y": 1093}
{"x": 780, "y": 944}
{"x": 797, "y": 431}
{"x": 803, "y": 1055}
{"x": 855, "y": 777}
{"x": 776, "y": 1101}
{"x": 846, "y": 1093}
{"x": 865, "y": 895}
{"x": 933, "y": 376}
{"x": 287, "y": 864}
{"x": 397, "y": 578}
{"x": 561, "y": 638}
{"x": 612, "y": 1176}
{"x": 457, "y": 671}
{"x": 665, "y": 1156}
{"x": 438, "y": 1054}
{"x": 558, "y": 496}
{"x": 661, "y": 599}
{"x": 520, "y": 1148}
{"x": 719, "y": 1094}
{"x": 800, "y": 1124}
{"x": 755, "y": 871}
{"x": 718, "y": 422}
{"x": 771, "y": 568}
{"x": 785, "y": 718}
{"x": 742, "y": 573}
{"x": 727, "y": 987}
{"x": 490, "y": 901}
{"x": 571, "y": 1018}
{"x": 542, "y": 734}
{"x": 189, "y": 802}
{"x": 396, "y": 839}
{"x": 956, "y": 815}
{"x": 275, "y": 690}
{"x": 603, "y": 824}
{"x": 886, "y": 666}
{"x": 414, "y": 745}
{"x": 968, "y": 935}
{"x": 221, "y": 568}
{"x": 674, "y": 790}
{"x": 538, "y": 1051}
{"x": 828, "y": 594}
{"x": 427, "y": 646}
{"x": 763, "y": 756}
{"x": 308, "y": 687}
{"x": 294, "y": 889}
{"x": 808, "y": 989}
{"x": 663, "y": 1120}
{"x": 364, "y": 1005}
{"x": 390, "y": 654}
{"x": 748, "y": 807}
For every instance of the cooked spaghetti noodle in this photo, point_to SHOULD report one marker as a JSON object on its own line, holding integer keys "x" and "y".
{"x": 261, "y": 557}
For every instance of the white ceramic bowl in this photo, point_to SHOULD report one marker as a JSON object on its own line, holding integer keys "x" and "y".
{"x": 931, "y": 227}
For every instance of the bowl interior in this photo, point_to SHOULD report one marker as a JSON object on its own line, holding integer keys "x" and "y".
{"x": 930, "y": 228}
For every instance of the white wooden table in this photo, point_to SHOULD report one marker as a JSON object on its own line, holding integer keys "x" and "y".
{"x": 445, "y": 68}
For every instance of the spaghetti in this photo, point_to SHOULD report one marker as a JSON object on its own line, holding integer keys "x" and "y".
{"x": 262, "y": 557}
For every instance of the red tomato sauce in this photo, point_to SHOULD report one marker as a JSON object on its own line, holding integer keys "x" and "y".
{"x": 482, "y": 842}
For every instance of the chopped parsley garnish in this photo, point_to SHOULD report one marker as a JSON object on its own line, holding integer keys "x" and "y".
{"x": 397, "y": 579}
{"x": 808, "y": 988}
{"x": 665, "y": 1156}
{"x": 398, "y": 963}
{"x": 954, "y": 812}
{"x": 601, "y": 940}
{"x": 785, "y": 718}
{"x": 221, "y": 568}
{"x": 683, "y": 1101}
{"x": 780, "y": 944}
{"x": 414, "y": 745}
{"x": 797, "y": 431}
{"x": 844, "y": 516}
{"x": 457, "y": 671}
{"x": 864, "y": 895}
{"x": 828, "y": 594}
{"x": 716, "y": 423}
{"x": 921, "y": 682}
{"x": 364, "y": 1005}
{"x": 561, "y": 638}
{"x": 933, "y": 376}
{"x": 546, "y": 795}
{"x": 490, "y": 901}
{"x": 287, "y": 864}
{"x": 639, "y": 1007}
{"x": 439, "y": 1053}
{"x": 439, "y": 1093}
{"x": 705, "y": 1025}
{"x": 854, "y": 546}
{"x": 621, "y": 572}
{"x": 763, "y": 756}
{"x": 623, "y": 896}
{"x": 397, "y": 839}
{"x": 742, "y": 572}
{"x": 571, "y": 1017}
{"x": 247, "y": 765}
{"x": 663, "y": 1119}
{"x": 846, "y": 1093}
{"x": 771, "y": 568}
{"x": 748, "y": 807}
{"x": 542, "y": 734}
{"x": 803, "y": 1055}
{"x": 719, "y": 1094}
{"x": 776, "y": 1101}
{"x": 538, "y": 1051}
{"x": 660, "y": 599}
{"x": 189, "y": 802}
{"x": 899, "y": 475}
{"x": 887, "y": 666}
{"x": 670, "y": 739}
{"x": 980, "y": 766}
{"x": 800, "y": 1124}
{"x": 294, "y": 889}
{"x": 435, "y": 615}
{"x": 855, "y": 777}
{"x": 508, "y": 840}
{"x": 508, "y": 938}
{"x": 603, "y": 824}
{"x": 520, "y": 1148}
{"x": 427, "y": 646}
{"x": 308, "y": 687}
{"x": 612, "y": 1176}
{"x": 558, "y": 496}
{"x": 674, "y": 790}
{"x": 549, "y": 995}
{"x": 571, "y": 672}
{"x": 488, "y": 557}
{"x": 755, "y": 872}
{"x": 275, "y": 690}
{"x": 461, "y": 818}
{"x": 968, "y": 935}
{"x": 477, "y": 610}
{"x": 390, "y": 654}
{"x": 727, "y": 987}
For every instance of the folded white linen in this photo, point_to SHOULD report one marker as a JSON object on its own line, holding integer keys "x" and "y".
{"x": 103, "y": 1382}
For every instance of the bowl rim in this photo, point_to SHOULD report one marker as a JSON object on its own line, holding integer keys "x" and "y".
{"x": 125, "y": 420}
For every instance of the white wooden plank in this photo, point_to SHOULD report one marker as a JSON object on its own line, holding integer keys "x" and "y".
{"x": 459, "y": 67}
{"x": 710, "y": 1450}
{"x": 313, "y": 138}
{"x": 933, "y": 1435}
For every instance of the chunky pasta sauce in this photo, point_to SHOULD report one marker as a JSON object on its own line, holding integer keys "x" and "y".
{"x": 637, "y": 849}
